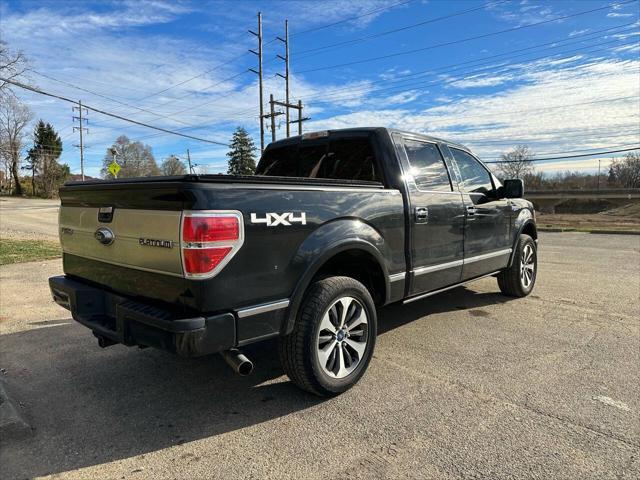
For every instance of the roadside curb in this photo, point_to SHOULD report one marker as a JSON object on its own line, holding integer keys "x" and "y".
{"x": 579, "y": 230}
{"x": 11, "y": 422}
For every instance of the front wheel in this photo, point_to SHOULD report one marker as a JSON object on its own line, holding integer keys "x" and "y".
{"x": 518, "y": 280}
{"x": 333, "y": 338}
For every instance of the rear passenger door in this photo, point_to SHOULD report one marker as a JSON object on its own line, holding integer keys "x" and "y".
{"x": 486, "y": 238}
{"x": 436, "y": 217}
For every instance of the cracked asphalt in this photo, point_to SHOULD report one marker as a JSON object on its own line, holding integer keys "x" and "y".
{"x": 467, "y": 384}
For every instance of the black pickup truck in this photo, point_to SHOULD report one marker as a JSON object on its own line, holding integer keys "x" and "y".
{"x": 332, "y": 226}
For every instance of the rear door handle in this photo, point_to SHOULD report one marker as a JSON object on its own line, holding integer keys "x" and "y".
{"x": 471, "y": 210}
{"x": 422, "y": 214}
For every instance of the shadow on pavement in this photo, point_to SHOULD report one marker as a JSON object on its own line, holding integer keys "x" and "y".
{"x": 90, "y": 406}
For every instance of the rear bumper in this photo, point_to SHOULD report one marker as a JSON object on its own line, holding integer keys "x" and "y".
{"x": 129, "y": 322}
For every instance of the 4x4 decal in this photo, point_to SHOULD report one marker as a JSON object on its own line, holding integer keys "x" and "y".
{"x": 274, "y": 219}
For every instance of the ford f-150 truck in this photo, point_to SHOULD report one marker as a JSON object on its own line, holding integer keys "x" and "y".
{"x": 332, "y": 226}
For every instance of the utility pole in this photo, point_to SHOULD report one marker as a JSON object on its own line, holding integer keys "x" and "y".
{"x": 300, "y": 117}
{"x": 81, "y": 128}
{"x": 599, "y": 161}
{"x": 259, "y": 73}
{"x": 272, "y": 115}
{"x": 285, "y": 40}
{"x": 189, "y": 161}
{"x": 297, "y": 106}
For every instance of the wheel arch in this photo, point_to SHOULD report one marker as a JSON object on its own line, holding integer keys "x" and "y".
{"x": 527, "y": 227}
{"x": 356, "y": 257}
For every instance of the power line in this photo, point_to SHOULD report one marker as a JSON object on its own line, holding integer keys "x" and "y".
{"x": 193, "y": 78}
{"x": 571, "y": 156}
{"x": 350, "y": 19}
{"x": 482, "y": 61}
{"x": 113, "y": 115}
{"x": 572, "y": 40}
{"x": 511, "y": 142}
{"x": 468, "y": 75}
{"x": 324, "y": 98}
{"x": 399, "y": 29}
{"x": 544, "y": 109}
{"x": 220, "y": 96}
{"x": 463, "y": 40}
{"x": 563, "y": 152}
{"x": 77, "y": 87}
{"x": 327, "y": 99}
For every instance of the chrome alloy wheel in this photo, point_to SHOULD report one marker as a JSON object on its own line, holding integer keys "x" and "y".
{"x": 342, "y": 337}
{"x": 527, "y": 266}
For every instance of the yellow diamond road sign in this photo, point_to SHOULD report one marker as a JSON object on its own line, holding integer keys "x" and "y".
{"x": 114, "y": 168}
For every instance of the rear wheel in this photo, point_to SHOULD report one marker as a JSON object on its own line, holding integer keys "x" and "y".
{"x": 333, "y": 339}
{"x": 519, "y": 279}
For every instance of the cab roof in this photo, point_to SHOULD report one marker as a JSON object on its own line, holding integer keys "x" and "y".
{"x": 297, "y": 138}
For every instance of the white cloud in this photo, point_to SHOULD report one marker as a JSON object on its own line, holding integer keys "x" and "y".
{"x": 578, "y": 32}
{"x": 589, "y": 165}
{"x": 479, "y": 81}
{"x": 401, "y": 98}
{"x": 619, "y": 15}
{"x": 524, "y": 13}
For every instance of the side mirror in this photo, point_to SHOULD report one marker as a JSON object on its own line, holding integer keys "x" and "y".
{"x": 513, "y": 188}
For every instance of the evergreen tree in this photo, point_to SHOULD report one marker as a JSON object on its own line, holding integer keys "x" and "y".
{"x": 242, "y": 159}
{"x": 42, "y": 160}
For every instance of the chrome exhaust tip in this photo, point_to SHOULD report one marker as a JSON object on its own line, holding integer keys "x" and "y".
{"x": 238, "y": 361}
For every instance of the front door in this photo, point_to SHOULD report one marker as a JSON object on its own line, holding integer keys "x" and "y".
{"x": 436, "y": 217}
{"x": 487, "y": 245}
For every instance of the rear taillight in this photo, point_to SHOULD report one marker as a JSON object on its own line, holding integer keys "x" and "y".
{"x": 209, "y": 239}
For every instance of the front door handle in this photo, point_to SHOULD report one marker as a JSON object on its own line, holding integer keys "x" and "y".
{"x": 471, "y": 210}
{"x": 422, "y": 214}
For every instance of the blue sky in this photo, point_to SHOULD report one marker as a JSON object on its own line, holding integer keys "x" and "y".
{"x": 489, "y": 74}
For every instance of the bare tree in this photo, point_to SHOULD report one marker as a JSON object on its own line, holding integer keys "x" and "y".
{"x": 172, "y": 165}
{"x": 5, "y": 164}
{"x": 517, "y": 163}
{"x": 12, "y": 65}
{"x": 14, "y": 117}
{"x": 626, "y": 172}
{"x": 135, "y": 159}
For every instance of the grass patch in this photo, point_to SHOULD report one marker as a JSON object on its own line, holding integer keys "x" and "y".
{"x": 18, "y": 251}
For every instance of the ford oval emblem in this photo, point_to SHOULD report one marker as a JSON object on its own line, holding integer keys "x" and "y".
{"x": 104, "y": 235}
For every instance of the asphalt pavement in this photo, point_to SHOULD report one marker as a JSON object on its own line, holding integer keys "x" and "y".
{"x": 467, "y": 384}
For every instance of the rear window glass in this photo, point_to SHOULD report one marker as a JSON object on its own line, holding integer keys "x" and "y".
{"x": 339, "y": 158}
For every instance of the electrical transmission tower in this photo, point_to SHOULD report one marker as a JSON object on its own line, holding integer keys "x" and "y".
{"x": 81, "y": 118}
{"x": 259, "y": 73}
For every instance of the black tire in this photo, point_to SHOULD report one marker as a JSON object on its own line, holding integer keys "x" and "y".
{"x": 299, "y": 350}
{"x": 511, "y": 281}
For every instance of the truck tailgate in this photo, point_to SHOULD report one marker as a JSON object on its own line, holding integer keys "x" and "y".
{"x": 142, "y": 239}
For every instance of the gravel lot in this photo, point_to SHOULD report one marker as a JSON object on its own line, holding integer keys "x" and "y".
{"x": 467, "y": 384}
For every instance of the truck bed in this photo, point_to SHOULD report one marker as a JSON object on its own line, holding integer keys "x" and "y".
{"x": 225, "y": 179}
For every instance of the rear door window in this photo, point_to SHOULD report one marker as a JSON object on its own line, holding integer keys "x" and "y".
{"x": 427, "y": 166}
